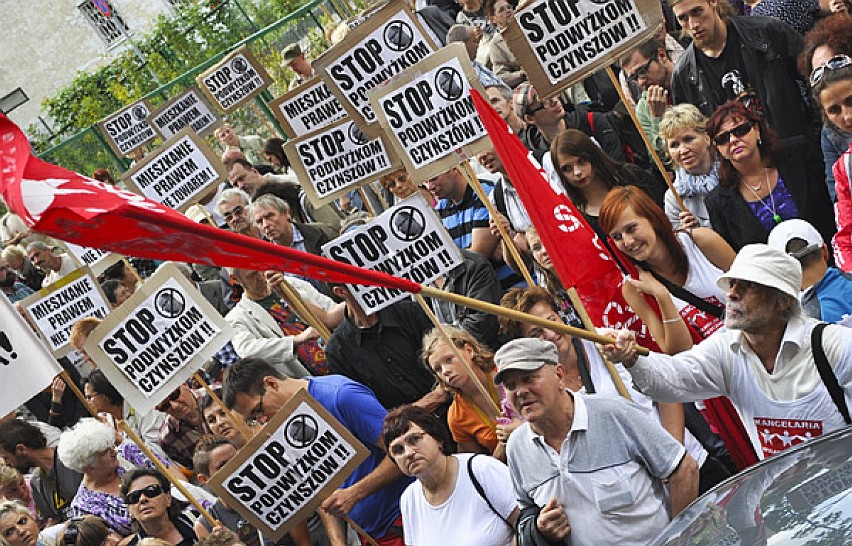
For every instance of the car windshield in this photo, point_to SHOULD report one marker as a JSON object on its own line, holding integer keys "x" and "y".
{"x": 801, "y": 497}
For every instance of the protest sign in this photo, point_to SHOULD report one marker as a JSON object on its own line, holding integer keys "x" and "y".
{"x": 407, "y": 240}
{"x": 307, "y": 108}
{"x": 384, "y": 45}
{"x": 235, "y": 80}
{"x": 331, "y": 161}
{"x": 129, "y": 128}
{"x": 182, "y": 172}
{"x": 26, "y": 367}
{"x": 289, "y": 467}
{"x": 428, "y": 114}
{"x": 189, "y": 109}
{"x": 560, "y": 43}
{"x": 157, "y": 339}
{"x": 97, "y": 260}
{"x": 55, "y": 308}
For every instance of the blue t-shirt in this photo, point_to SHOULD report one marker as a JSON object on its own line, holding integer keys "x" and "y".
{"x": 834, "y": 292}
{"x": 358, "y": 409}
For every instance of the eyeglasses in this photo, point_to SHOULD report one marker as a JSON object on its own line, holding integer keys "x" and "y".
{"x": 641, "y": 72}
{"x": 165, "y": 404}
{"x": 835, "y": 63}
{"x": 91, "y": 397}
{"x": 549, "y": 103}
{"x": 413, "y": 440}
{"x": 236, "y": 211}
{"x": 739, "y": 131}
{"x": 151, "y": 492}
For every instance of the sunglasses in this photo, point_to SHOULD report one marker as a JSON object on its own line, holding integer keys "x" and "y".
{"x": 69, "y": 538}
{"x": 164, "y": 405}
{"x": 237, "y": 211}
{"x": 549, "y": 103}
{"x": 835, "y": 63}
{"x": 150, "y": 492}
{"x": 739, "y": 131}
{"x": 641, "y": 72}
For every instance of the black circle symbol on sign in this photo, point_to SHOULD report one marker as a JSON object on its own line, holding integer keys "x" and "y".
{"x": 398, "y": 36}
{"x": 449, "y": 83}
{"x": 239, "y": 65}
{"x": 169, "y": 303}
{"x": 356, "y": 136}
{"x": 407, "y": 224}
{"x": 301, "y": 431}
{"x": 139, "y": 112}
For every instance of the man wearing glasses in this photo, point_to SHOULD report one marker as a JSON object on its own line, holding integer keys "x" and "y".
{"x": 651, "y": 68}
{"x": 233, "y": 205}
{"x": 182, "y": 428}
{"x": 370, "y": 495}
{"x": 731, "y": 55}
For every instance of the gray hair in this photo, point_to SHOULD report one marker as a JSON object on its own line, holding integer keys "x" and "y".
{"x": 458, "y": 33}
{"x": 232, "y": 194}
{"x": 37, "y": 245}
{"x": 269, "y": 201}
{"x": 780, "y": 299}
{"x": 79, "y": 447}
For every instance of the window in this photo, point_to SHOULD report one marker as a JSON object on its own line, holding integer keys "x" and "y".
{"x": 107, "y": 27}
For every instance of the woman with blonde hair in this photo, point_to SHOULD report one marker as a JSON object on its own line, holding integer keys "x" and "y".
{"x": 684, "y": 129}
{"x": 18, "y": 526}
{"x": 475, "y": 425}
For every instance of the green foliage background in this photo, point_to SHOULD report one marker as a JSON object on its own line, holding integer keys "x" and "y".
{"x": 178, "y": 48}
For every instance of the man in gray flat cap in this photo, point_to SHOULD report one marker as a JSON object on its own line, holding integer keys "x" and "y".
{"x": 789, "y": 379}
{"x": 586, "y": 470}
{"x": 294, "y": 58}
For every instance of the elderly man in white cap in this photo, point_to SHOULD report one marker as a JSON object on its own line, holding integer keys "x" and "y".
{"x": 789, "y": 379}
{"x": 826, "y": 291}
{"x": 585, "y": 466}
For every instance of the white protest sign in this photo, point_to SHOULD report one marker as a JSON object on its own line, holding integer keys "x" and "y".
{"x": 181, "y": 173}
{"x": 129, "y": 129}
{"x": 97, "y": 260}
{"x": 407, "y": 240}
{"x": 428, "y": 113}
{"x": 558, "y": 43}
{"x": 157, "y": 339}
{"x": 307, "y": 108}
{"x": 235, "y": 80}
{"x": 189, "y": 109}
{"x": 26, "y": 367}
{"x": 384, "y": 45}
{"x": 285, "y": 471}
{"x": 333, "y": 160}
{"x": 55, "y": 308}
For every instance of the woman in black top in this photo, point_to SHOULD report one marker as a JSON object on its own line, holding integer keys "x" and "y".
{"x": 153, "y": 511}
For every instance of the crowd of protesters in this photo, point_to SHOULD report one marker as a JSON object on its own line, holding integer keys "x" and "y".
{"x": 497, "y": 431}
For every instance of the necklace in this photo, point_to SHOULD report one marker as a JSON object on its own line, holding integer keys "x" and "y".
{"x": 775, "y": 216}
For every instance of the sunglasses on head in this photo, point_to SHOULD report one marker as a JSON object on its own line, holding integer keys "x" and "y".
{"x": 152, "y": 491}
{"x": 835, "y": 63}
{"x": 164, "y": 405}
{"x": 739, "y": 131}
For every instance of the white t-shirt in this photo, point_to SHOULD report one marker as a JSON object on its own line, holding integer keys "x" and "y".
{"x": 464, "y": 518}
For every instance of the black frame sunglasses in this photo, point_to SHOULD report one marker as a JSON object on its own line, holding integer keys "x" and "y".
{"x": 164, "y": 405}
{"x": 739, "y": 131}
{"x": 151, "y": 492}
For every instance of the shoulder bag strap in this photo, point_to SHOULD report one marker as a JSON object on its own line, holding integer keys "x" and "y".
{"x": 687, "y": 296}
{"x": 481, "y": 491}
{"x": 827, "y": 373}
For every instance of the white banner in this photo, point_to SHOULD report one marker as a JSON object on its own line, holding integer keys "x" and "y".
{"x": 26, "y": 367}
{"x": 407, "y": 240}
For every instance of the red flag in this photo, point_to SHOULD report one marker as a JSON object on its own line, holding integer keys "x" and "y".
{"x": 580, "y": 258}
{"x": 77, "y": 209}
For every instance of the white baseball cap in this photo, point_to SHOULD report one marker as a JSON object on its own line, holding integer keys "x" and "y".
{"x": 767, "y": 266}
{"x": 795, "y": 229}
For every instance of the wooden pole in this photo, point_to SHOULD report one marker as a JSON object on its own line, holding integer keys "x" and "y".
{"x": 239, "y": 424}
{"x": 141, "y": 445}
{"x": 304, "y": 312}
{"x": 366, "y": 201}
{"x": 360, "y": 531}
{"x": 471, "y": 303}
{"x": 474, "y": 182}
{"x": 449, "y": 342}
{"x": 587, "y": 322}
{"x": 379, "y": 193}
{"x": 645, "y": 139}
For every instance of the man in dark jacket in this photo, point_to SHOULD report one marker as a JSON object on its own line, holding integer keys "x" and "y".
{"x": 732, "y": 56}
